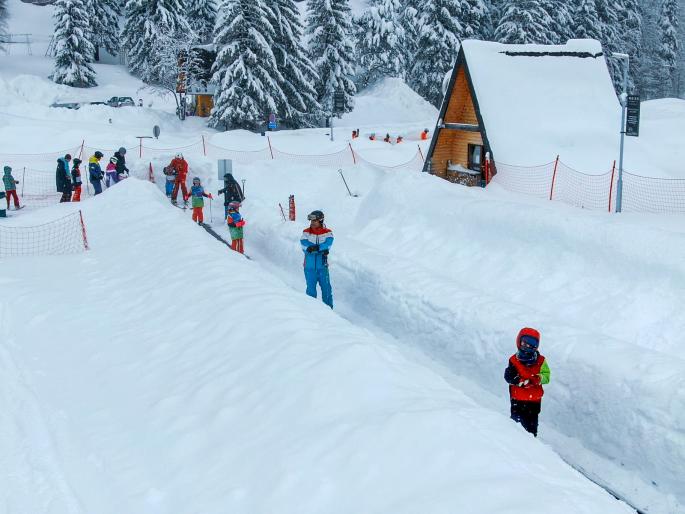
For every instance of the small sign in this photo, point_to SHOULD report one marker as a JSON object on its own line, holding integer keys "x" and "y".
{"x": 633, "y": 116}
{"x": 156, "y": 131}
{"x": 272, "y": 121}
{"x": 339, "y": 101}
{"x": 225, "y": 166}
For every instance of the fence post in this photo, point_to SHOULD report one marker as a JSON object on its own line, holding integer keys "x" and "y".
{"x": 83, "y": 230}
{"x": 80, "y": 153}
{"x": 291, "y": 207}
{"x": 204, "y": 148}
{"x": 611, "y": 183}
{"x": 151, "y": 176}
{"x": 140, "y": 146}
{"x": 270, "y": 149}
{"x": 421, "y": 153}
{"x": 354, "y": 159}
{"x": 554, "y": 177}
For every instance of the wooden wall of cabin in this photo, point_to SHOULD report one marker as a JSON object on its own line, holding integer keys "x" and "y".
{"x": 452, "y": 145}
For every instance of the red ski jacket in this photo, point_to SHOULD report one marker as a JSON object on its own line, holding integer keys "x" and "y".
{"x": 181, "y": 167}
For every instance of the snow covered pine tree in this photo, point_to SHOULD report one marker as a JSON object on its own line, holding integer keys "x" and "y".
{"x": 74, "y": 52}
{"x": 245, "y": 69}
{"x": 299, "y": 77}
{"x": 668, "y": 48}
{"x": 381, "y": 42}
{"x": 4, "y": 15}
{"x": 202, "y": 18}
{"x": 329, "y": 25}
{"x": 104, "y": 23}
{"x": 546, "y": 22}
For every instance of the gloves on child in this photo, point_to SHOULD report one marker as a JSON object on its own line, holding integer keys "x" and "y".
{"x": 313, "y": 248}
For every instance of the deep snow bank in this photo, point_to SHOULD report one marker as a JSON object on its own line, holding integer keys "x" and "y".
{"x": 160, "y": 373}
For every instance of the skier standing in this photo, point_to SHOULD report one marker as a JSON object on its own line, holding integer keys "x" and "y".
{"x": 170, "y": 174}
{"x": 76, "y": 179}
{"x": 10, "y": 187}
{"x": 180, "y": 166}
{"x": 122, "y": 170}
{"x": 197, "y": 193}
{"x": 95, "y": 172}
{"x": 112, "y": 175}
{"x": 526, "y": 373}
{"x": 316, "y": 242}
{"x": 235, "y": 227}
{"x": 231, "y": 192}
{"x": 63, "y": 178}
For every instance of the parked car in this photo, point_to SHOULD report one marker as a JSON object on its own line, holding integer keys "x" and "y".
{"x": 67, "y": 105}
{"x": 121, "y": 101}
{"x": 98, "y": 103}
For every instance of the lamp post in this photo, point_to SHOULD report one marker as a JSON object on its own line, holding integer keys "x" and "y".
{"x": 624, "y": 104}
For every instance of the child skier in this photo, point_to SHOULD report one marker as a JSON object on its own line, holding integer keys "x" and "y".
{"x": 316, "y": 242}
{"x": 526, "y": 373}
{"x": 235, "y": 226}
{"x": 76, "y": 179}
{"x": 95, "y": 172}
{"x": 10, "y": 187}
{"x": 111, "y": 172}
{"x": 197, "y": 193}
{"x": 170, "y": 174}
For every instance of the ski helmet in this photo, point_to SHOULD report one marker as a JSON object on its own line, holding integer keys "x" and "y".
{"x": 315, "y": 216}
{"x": 528, "y": 338}
{"x": 77, "y": 161}
{"x": 234, "y": 205}
{"x": 196, "y": 179}
{"x": 99, "y": 155}
{"x": 113, "y": 160}
{"x": 179, "y": 156}
{"x": 122, "y": 150}
{"x": 68, "y": 157}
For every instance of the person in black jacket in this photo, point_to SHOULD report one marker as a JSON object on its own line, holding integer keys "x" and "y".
{"x": 63, "y": 178}
{"x": 121, "y": 162}
{"x": 231, "y": 192}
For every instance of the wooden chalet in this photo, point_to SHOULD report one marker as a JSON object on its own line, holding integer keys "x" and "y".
{"x": 520, "y": 104}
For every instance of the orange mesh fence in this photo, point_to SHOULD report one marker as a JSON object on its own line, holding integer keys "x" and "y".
{"x": 530, "y": 180}
{"x": 242, "y": 156}
{"x": 340, "y": 158}
{"x": 414, "y": 164}
{"x": 581, "y": 189}
{"x": 61, "y": 236}
{"x": 649, "y": 194}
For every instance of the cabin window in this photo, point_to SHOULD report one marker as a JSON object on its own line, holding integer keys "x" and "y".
{"x": 475, "y": 157}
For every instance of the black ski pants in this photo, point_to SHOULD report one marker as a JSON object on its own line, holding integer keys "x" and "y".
{"x": 527, "y": 414}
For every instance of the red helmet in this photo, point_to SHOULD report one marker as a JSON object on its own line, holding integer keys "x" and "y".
{"x": 529, "y": 334}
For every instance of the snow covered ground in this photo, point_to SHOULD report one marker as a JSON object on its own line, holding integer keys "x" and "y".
{"x": 159, "y": 372}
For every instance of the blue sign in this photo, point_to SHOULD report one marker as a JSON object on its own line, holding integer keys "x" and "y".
{"x": 272, "y": 121}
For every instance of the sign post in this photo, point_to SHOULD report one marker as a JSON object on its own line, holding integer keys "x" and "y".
{"x": 633, "y": 116}
{"x": 338, "y": 106}
{"x": 624, "y": 104}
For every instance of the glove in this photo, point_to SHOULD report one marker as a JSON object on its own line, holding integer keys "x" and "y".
{"x": 210, "y": 196}
{"x": 313, "y": 248}
{"x": 536, "y": 380}
{"x": 524, "y": 383}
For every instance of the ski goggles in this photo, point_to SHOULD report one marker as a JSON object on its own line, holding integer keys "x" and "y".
{"x": 313, "y": 217}
{"x": 529, "y": 343}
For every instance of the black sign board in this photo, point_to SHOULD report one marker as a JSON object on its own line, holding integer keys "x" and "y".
{"x": 339, "y": 101}
{"x": 633, "y": 116}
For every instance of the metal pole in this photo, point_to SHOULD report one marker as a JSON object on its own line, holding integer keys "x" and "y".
{"x": 331, "y": 127}
{"x": 624, "y": 105}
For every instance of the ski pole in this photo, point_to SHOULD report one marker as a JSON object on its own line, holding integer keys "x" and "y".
{"x": 243, "y": 181}
{"x": 211, "y": 216}
{"x": 282, "y": 212}
{"x": 345, "y": 182}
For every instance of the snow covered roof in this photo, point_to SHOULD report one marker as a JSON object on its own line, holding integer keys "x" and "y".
{"x": 537, "y": 101}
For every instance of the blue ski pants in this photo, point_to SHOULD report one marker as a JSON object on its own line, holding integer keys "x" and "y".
{"x": 169, "y": 188}
{"x": 97, "y": 186}
{"x": 319, "y": 276}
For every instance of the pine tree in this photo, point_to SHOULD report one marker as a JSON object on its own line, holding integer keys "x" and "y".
{"x": 476, "y": 20}
{"x": 105, "y": 25}
{"x": 329, "y": 25}
{"x": 668, "y": 49}
{"x": 147, "y": 21}
{"x": 202, "y": 18}
{"x": 299, "y": 76}
{"x": 4, "y": 15}
{"x": 437, "y": 48}
{"x": 74, "y": 51}
{"x": 245, "y": 70}
{"x": 545, "y": 22}
{"x": 587, "y": 24}
{"x": 410, "y": 20}
{"x": 381, "y": 42}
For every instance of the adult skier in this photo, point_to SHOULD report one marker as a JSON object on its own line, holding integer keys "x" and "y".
{"x": 197, "y": 193}
{"x": 10, "y": 188}
{"x": 526, "y": 373}
{"x": 231, "y": 192}
{"x": 235, "y": 227}
{"x": 63, "y": 178}
{"x": 121, "y": 169}
{"x": 180, "y": 165}
{"x": 95, "y": 174}
{"x": 76, "y": 180}
{"x": 316, "y": 242}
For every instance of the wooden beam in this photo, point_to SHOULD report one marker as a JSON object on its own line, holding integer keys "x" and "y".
{"x": 460, "y": 126}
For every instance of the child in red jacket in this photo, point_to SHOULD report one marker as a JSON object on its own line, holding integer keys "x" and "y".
{"x": 526, "y": 373}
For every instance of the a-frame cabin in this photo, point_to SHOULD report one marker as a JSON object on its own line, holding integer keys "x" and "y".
{"x": 524, "y": 104}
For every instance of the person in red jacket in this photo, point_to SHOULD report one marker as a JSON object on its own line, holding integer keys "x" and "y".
{"x": 180, "y": 165}
{"x": 526, "y": 373}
